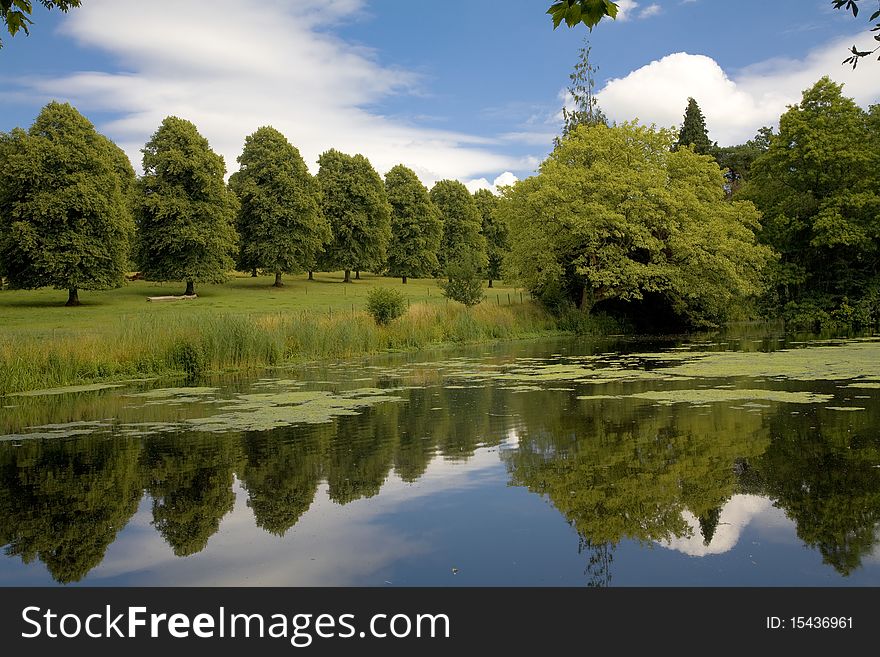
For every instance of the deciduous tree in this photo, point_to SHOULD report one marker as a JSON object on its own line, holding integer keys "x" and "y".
{"x": 416, "y": 226}
{"x": 280, "y": 223}
{"x": 494, "y": 231}
{"x": 184, "y": 211}
{"x": 617, "y": 214}
{"x": 64, "y": 217}
{"x": 356, "y": 205}
{"x": 462, "y": 242}
{"x": 817, "y": 186}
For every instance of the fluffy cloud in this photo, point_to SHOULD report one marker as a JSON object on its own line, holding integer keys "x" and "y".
{"x": 627, "y": 9}
{"x": 506, "y": 178}
{"x": 734, "y": 106}
{"x": 237, "y": 66}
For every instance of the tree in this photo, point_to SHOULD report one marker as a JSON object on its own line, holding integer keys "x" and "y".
{"x": 856, "y": 54}
{"x": 693, "y": 131}
{"x": 416, "y": 226}
{"x": 588, "y": 12}
{"x": 616, "y": 214}
{"x": 817, "y": 185}
{"x": 737, "y": 160}
{"x": 15, "y": 14}
{"x": 463, "y": 282}
{"x": 494, "y": 231}
{"x": 583, "y": 92}
{"x": 280, "y": 224}
{"x": 185, "y": 213}
{"x": 356, "y": 205}
{"x": 462, "y": 241}
{"x": 64, "y": 217}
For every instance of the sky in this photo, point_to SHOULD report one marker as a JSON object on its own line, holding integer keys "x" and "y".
{"x": 464, "y": 89}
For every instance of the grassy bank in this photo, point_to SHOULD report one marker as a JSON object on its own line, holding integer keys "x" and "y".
{"x": 242, "y": 325}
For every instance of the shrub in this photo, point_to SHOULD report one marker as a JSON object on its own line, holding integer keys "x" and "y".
{"x": 385, "y": 305}
{"x": 463, "y": 284}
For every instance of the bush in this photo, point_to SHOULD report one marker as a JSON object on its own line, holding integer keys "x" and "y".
{"x": 463, "y": 284}
{"x": 385, "y": 305}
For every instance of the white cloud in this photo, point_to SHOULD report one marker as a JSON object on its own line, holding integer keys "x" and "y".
{"x": 238, "y": 66}
{"x": 627, "y": 9}
{"x": 650, "y": 10}
{"x": 734, "y": 106}
{"x": 506, "y": 178}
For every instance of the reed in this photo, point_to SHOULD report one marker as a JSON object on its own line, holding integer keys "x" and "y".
{"x": 197, "y": 344}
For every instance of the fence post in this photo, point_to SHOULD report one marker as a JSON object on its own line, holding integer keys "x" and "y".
{"x": 508, "y": 298}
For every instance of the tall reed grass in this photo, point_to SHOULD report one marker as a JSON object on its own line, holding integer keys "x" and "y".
{"x": 198, "y": 344}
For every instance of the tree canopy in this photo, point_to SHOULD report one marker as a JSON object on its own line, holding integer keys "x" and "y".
{"x": 618, "y": 214}
{"x": 494, "y": 231}
{"x": 280, "y": 223}
{"x": 65, "y": 221}
{"x": 185, "y": 213}
{"x": 416, "y": 226}
{"x": 16, "y": 14}
{"x": 462, "y": 242}
{"x": 817, "y": 185}
{"x": 356, "y": 205}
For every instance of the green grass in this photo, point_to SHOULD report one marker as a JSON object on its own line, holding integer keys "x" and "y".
{"x": 243, "y": 324}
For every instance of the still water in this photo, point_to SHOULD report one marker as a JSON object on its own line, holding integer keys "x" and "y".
{"x": 721, "y": 460}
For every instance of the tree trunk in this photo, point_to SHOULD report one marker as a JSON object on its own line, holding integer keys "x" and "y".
{"x": 404, "y": 279}
{"x": 357, "y": 275}
{"x": 72, "y": 297}
{"x": 347, "y": 276}
{"x": 311, "y": 275}
{"x": 490, "y": 282}
{"x": 278, "y": 282}
{"x": 190, "y": 289}
{"x": 254, "y": 273}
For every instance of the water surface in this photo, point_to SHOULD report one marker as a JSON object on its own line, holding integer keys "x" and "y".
{"x": 722, "y": 460}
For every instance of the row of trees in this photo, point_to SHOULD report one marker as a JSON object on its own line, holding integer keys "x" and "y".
{"x": 73, "y": 215}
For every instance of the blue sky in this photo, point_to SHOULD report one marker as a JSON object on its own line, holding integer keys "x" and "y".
{"x": 455, "y": 89}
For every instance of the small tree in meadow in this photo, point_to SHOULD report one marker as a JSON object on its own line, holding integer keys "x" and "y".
{"x": 463, "y": 282}
{"x": 385, "y": 305}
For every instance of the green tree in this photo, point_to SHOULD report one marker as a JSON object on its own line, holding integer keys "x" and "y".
{"x": 64, "y": 217}
{"x": 817, "y": 186}
{"x": 737, "y": 160}
{"x": 356, "y": 205}
{"x": 185, "y": 213}
{"x": 617, "y": 214}
{"x": 693, "y": 131}
{"x": 583, "y": 92}
{"x": 16, "y": 14}
{"x": 494, "y": 231}
{"x": 416, "y": 226}
{"x": 280, "y": 224}
{"x": 588, "y": 12}
{"x": 462, "y": 242}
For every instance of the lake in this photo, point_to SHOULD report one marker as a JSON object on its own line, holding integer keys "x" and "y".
{"x": 739, "y": 458}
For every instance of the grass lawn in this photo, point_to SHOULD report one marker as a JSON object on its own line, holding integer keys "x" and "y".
{"x": 42, "y": 313}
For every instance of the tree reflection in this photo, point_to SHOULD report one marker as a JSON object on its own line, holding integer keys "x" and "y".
{"x": 190, "y": 480}
{"x": 64, "y": 501}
